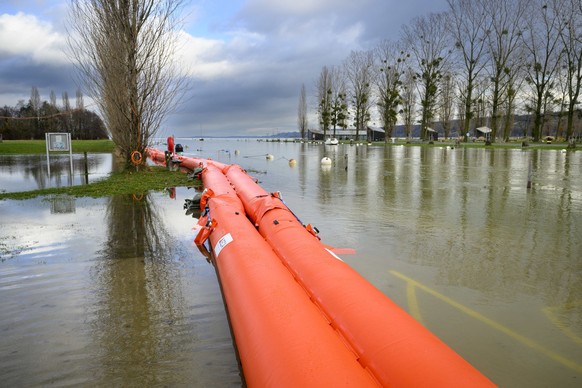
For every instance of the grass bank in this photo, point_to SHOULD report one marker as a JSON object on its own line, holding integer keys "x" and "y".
{"x": 39, "y": 146}
{"x": 126, "y": 182}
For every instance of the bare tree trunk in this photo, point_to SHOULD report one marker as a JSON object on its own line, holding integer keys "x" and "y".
{"x": 302, "y": 112}
{"x": 409, "y": 101}
{"x": 447, "y": 98}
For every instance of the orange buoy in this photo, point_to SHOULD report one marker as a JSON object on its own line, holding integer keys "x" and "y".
{"x": 170, "y": 142}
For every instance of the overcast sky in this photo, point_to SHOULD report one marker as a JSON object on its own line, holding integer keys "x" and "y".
{"x": 247, "y": 59}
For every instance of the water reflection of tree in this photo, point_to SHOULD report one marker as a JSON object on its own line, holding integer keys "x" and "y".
{"x": 499, "y": 238}
{"x": 139, "y": 304}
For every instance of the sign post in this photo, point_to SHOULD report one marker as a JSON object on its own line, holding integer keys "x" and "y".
{"x": 58, "y": 142}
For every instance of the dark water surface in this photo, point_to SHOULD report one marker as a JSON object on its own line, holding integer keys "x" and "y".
{"x": 112, "y": 291}
{"x": 109, "y": 293}
{"x": 30, "y": 172}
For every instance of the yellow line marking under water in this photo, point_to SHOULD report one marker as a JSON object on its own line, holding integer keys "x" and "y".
{"x": 551, "y": 314}
{"x": 413, "y": 302}
{"x": 495, "y": 325}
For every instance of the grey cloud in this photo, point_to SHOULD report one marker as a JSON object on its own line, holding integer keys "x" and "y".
{"x": 19, "y": 75}
{"x": 280, "y": 49}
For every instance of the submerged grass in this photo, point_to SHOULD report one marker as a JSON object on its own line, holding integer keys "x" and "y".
{"x": 126, "y": 182}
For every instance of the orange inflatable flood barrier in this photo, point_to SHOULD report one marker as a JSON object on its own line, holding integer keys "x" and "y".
{"x": 186, "y": 162}
{"x": 290, "y": 298}
{"x": 390, "y": 343}
{"x": 283, "y": 340}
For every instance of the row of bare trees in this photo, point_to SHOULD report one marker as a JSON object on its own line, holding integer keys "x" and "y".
{"x": 480, "y": 63}
{"x": 124, "y": 51}
{"x": 32, "y": 119}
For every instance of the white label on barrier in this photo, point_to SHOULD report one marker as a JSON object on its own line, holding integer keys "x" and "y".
{"x": 224, "y": 241}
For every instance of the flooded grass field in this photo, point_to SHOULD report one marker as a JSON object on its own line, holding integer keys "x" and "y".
{"x": 112, "y": 291}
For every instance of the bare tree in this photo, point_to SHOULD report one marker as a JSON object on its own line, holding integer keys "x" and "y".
{"x": 469, "y": 27}
{"x": 67, "y": 118}
{"x": 35, "y": 105}
{"x": 514, "y": 84}
{"x": 428, "y": 42}
{"x": 52, "y": 111}
{"x": 78, "y": 116}
{"x": 324, "y": 98}
{"x": 446, "y": 102}
{"x": 409, "y": 101}
{"x": 481, "y": 102}
{"x": 504, "y": 47}
{"x": 391, "y": 64}
{"x": 561, "y": 99}
{"x": 359, "y": 71}
{"x": 542, "y": 41}
{"x": 35, "y": 101}
{"x": 339, "y": 102}
{"x": 53, "y": 99}
{"x": 460, "y": 102}
{"x": 571, "y": 37}
{"x": 124, "y": 51}
{"x": 302, "y": 112}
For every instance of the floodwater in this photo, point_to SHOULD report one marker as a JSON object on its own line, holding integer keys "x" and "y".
{"x": 30, "y": 172}
{"x": 112, "y": 291}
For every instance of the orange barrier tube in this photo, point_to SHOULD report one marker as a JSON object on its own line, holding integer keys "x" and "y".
{"x": 282, "y": 338}
{"x": 190, "y": 163}
{"x": 390, "y": 343}
{"x": 156, "y": 155}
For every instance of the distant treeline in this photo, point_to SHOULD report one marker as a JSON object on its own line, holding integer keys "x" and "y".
{"x": 34, "y": 118}
{"x": 480, "y": 63}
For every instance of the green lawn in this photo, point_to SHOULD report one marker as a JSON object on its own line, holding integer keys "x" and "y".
{"x": 39, "y": 146}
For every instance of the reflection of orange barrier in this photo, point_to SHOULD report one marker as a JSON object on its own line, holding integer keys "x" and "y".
{"x": 288, "y": 296}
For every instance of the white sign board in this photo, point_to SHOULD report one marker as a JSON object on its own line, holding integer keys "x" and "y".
{"x": 58, "y": 141}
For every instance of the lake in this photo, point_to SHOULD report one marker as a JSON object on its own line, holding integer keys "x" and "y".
{"x": 112, "y": 291}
